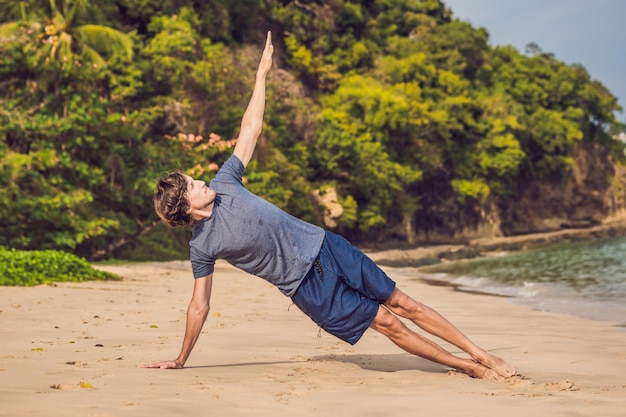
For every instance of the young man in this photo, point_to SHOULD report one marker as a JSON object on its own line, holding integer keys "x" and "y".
{"x": 331, "y": 281}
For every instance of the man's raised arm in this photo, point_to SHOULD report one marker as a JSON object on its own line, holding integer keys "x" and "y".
{"x": 252, "y": 122}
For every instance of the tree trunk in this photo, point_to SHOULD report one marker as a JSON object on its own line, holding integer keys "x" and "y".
{"x": 407, "y": 226}
{"x": 101, "y": 253}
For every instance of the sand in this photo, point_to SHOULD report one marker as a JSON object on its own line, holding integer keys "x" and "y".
{"x": 75, "y": 350}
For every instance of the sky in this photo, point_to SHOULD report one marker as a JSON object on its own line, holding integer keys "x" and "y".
{"x": 587, "y": 32}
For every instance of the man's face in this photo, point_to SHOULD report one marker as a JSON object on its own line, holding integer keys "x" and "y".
{"x": 198, "y": 194}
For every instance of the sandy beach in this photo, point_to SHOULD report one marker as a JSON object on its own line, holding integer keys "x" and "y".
{"x": 75, "y": 350}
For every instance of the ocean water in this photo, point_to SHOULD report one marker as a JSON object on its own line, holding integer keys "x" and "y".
{"x": 586, "y": 279}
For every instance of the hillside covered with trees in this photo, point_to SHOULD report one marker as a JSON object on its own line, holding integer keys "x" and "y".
{"x": 386, "y": 121}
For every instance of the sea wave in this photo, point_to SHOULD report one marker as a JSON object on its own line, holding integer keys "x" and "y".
{"x": 585, "y": 279}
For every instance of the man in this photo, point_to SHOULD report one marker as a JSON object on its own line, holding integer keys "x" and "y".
{"x": 331, "y": 281}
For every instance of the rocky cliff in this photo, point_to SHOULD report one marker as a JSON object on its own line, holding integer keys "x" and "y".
{"x": 590, "y": 193}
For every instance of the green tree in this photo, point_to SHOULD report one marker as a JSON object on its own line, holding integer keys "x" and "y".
{"x": 561, "y": 106}
{"x": 57, "y": 25}
{"x": 56, "y": 128}
{"x": 362, "y": 127}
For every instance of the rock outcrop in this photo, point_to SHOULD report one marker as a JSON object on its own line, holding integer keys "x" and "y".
{"x": 592, "y": 192}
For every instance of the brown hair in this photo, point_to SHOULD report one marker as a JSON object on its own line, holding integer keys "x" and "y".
{"x": 170, "y": 202}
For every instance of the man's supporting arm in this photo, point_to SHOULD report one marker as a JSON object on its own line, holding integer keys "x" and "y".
{"x": 196, "y": 316}
{"x": 252, "y": 122}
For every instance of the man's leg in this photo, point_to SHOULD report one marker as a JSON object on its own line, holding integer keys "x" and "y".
{"x": 432, "y": 322}
{"x": 389, "y": 325}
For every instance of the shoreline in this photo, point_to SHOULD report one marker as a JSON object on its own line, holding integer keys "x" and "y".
{"x": 431, "y": 254}
{"x": 601, "y": 311}
{"x": 421, "y": 258}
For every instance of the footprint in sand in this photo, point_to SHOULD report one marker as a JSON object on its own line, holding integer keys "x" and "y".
{"x": 62, "y": 387}
{"x": 518, "y": 381}
{"x": 563, "y": 385}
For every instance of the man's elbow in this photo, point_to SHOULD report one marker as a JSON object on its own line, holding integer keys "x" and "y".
{"x": 200, "y": 311}
{"x": 251, "y": 129}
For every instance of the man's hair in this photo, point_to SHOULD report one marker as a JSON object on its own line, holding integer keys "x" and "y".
{"x": 170, "y": 202}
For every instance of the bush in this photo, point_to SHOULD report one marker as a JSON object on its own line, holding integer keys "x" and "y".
{"x": 28, "y": 268}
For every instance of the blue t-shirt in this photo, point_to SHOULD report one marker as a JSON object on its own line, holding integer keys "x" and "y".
{"x": 253, "y": 235}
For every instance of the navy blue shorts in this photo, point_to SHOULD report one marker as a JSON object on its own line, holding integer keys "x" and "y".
{"x": 343, "y": 290}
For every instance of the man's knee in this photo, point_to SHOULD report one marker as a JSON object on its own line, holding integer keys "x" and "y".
{"x": 403, "y": 305}
{"x": 387, "y": 323}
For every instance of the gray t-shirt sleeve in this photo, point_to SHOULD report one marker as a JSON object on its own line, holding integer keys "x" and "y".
{"x": 201, "y": 264}
{"x": 231, "y": 172}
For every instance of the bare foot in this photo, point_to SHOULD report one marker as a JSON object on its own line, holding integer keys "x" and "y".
{"x": 476, "y": 370}
{"x": 491, "y": 375}
{"x": 500, "y": 366}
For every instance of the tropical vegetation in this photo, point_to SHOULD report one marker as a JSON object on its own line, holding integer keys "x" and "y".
{"x": 388, "y": 104}
{"x": 35, "y": 267}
